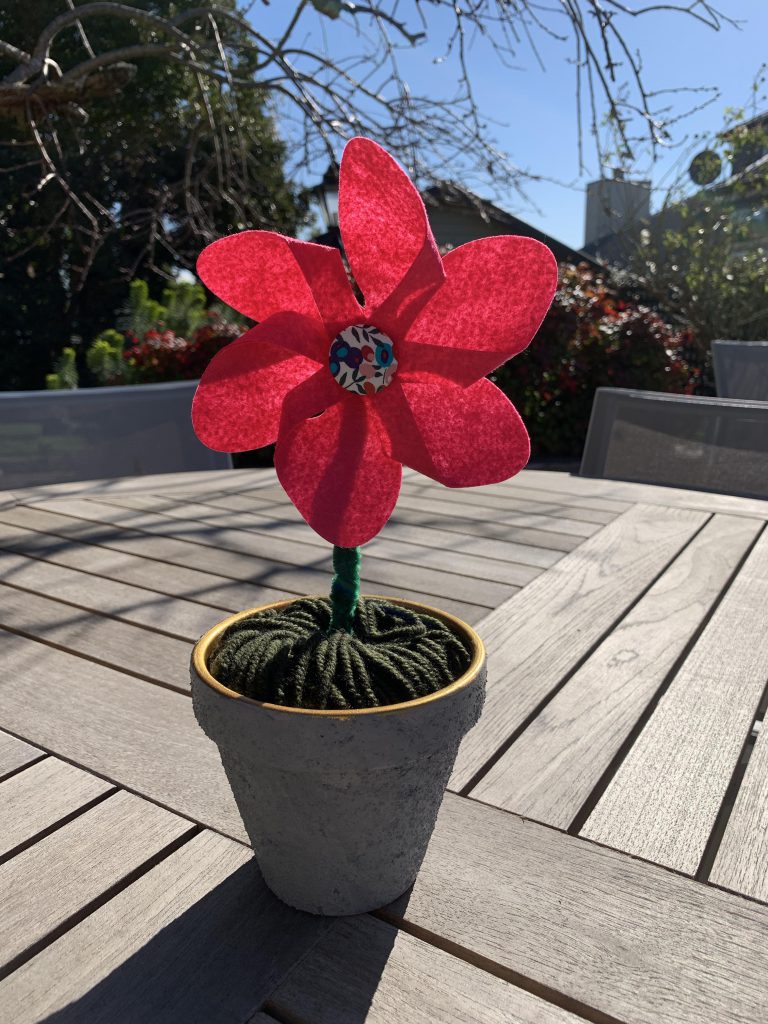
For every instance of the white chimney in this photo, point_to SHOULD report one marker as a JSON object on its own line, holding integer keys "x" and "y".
{"x": 615, "y": 205}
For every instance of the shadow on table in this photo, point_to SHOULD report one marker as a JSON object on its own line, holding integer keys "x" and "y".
{"x": 339, "y": 979}
{"x": 220, "y": 961}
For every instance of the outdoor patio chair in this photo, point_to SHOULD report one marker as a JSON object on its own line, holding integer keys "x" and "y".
{"x": 55, "y": 436}
{"x": 741, "y": 369}
{"x": 711, "y": 444}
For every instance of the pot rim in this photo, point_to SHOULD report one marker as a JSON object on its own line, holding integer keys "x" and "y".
{"x": 203, "y": 647}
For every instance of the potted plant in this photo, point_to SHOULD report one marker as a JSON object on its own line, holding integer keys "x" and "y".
{"x": 338, "y": 719}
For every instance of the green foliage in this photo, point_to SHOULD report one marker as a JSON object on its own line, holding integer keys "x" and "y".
{"x": 705, "y": 257}
{"x": 105, "y": 359}
{"x": 593, "y": 336}
{"x": 184, "y": 304}
{"x": 182, "y": 309}
{"x": 140, "y": 314}
{"x": 65, "y": 376}
{"x": 132, "y": 155}
{"x": 162, "y": 341}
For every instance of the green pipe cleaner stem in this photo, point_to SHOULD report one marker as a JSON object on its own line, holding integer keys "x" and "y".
{"x": 345, "y": 588}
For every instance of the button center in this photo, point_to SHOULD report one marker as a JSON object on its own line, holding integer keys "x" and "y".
{"x": 362, "y": 359}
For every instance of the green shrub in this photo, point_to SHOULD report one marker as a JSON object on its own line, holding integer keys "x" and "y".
{"x": 65, "y": 376}
{"x": 184, "y": 307}
{"x": 105, "y": 359}
{"x": 593, "y": 336}
{"x": 141, "y": 314}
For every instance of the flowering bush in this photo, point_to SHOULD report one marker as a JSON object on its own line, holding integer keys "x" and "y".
{"x": 158, "y": 354}
{"x": 161, "y": 355}
{"x": 592, "y": 337}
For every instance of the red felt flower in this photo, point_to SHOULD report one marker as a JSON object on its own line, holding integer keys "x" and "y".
{"x": 350, "y": 393}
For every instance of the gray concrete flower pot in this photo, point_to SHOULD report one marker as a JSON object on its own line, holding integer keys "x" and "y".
{"x": 339, "y": 805}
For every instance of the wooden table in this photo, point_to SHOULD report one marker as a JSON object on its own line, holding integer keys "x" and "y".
{"x": 603, "y": 854}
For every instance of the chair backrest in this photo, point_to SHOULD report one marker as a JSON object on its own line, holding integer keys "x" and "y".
{"x": 741, "y": 369}
{"x": 711, "y": 444}
{"x": 93, "y": 433}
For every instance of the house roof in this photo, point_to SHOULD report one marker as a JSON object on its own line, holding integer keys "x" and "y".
{"x": 758, "y": 121}
{"x": 449, "y": 194}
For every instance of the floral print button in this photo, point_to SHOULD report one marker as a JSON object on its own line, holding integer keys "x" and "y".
{"x": 362, "y": 359}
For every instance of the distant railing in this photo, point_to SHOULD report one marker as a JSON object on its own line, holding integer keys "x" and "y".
{"x": 741, "y": 369}
{"x": 94, "y": 433}
{"x": 712, "y": 444}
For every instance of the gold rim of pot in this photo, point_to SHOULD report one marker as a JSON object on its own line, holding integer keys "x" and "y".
{"x": 205, "y": 645}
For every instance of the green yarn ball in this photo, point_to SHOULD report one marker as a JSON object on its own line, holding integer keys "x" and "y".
{"x": 292, "y": 656}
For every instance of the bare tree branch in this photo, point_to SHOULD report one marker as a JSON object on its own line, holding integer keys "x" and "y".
{"x": 325, "y": 100}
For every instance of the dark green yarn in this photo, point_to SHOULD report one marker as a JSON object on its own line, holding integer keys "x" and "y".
{"x": 293, "y": 656}
{"x": 345, "y": 587}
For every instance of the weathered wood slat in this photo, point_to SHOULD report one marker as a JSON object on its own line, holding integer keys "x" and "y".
{"x": 742, "y": 860}
{"x": 158, "y": 545}
{"x": 366, "y": 970}
{"x": 14, "y": 754}
{"x": 491, "y": 529}
{"x": 118, "y": 644}
{"x": 207, "y": 589}
{"x": 662, "y": 802}
{"x": 40, "y": 796}
{"x": 649, "y": 494}
{"x": 553, "y": 766}
{"x": 197, "y": 938}
{"x": 269, "y": 500}
{"x": 199, "y": 480}
{"x": 184, "y": 619}
{"x": 538, "y": 636}
{"x": 417, "y": 537}
{"x": 265, "y": 533}
{"x": 626, "y": 939}
{"x": 510, "y": 498}
{"x": 455, "y": 506}
{"x": 49, "y": 882}
{"x": 233, "y": 532}
{"x": 525, "y": 485}
{"x": 140, "y": 736}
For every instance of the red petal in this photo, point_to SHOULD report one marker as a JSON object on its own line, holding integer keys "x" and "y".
{"x": 261, "y": 273}
{"x": 324, "y": 270}
{"x": 337, "y": 473}
{"x": 239, "y": 400}
{"x": 386, "y": 234}
{"x": 495, "y": 296}
{"x": 461, "y": 437}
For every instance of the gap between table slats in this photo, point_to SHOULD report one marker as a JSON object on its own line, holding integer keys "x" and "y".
{"x": 416, "y": 537}
{"x": 553, "y": 766}
{"x": 662, "y": 802}
{"x": 296, "y": 537}
{"x": 540, "y": 636}
{"x": 155, "y": 541}
{"x": 384, "y": 561}
{"x": 742, "y": 858}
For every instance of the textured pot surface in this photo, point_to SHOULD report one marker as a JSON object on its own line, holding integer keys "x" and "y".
{"x": 339, "y": 805}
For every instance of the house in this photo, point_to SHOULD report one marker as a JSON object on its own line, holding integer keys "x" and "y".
{"x": 457, "y": 215}
{"x": 618, "y": 209}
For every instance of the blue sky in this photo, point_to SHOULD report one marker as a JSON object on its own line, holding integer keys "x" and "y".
{"x": 537, "y": 107}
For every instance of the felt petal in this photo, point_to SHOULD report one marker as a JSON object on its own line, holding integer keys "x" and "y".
{"x": 238, "y": 402}
{"x": 261, "y": 273}
{"x": 314, "y": 395}
{"x": 386, "y": 235}
{"x": 337, "y": 473}
{"x": 460, "y": 436}
{"x": 496, "y": 294}
{"x": 332, "y": 292}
